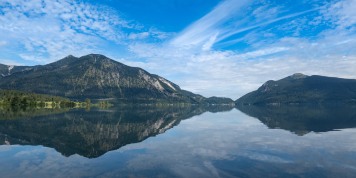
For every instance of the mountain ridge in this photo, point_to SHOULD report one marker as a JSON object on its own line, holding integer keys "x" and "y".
{"x": 299, "y": 88}
{"x": 94, "y": 76}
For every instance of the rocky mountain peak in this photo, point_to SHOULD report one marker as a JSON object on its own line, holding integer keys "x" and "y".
{"x": 96, "y": 76}
{"x": 70, "y": 56}
{"x": 267, "y": 86}
{"x": 298, "y": 76}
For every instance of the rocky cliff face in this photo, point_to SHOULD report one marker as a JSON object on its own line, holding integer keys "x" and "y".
{"x": 7, "y": 70}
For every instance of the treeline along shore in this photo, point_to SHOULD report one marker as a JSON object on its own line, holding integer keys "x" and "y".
{"x": 13, "y": 98}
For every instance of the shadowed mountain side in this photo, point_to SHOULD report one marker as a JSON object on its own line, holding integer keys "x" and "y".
{"x": 91, "y": 76}
{"x": 299, "y": 88}
{"x": 304, "y": 119}
{"x": 92, "y": 134}
{"x": 96, "y": 76}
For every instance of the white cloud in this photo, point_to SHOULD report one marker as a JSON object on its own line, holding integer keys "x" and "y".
{"x": 229, "y": 19}
{"x": 264, "y": 23}
{"x": 135, "y": 36}
{"x": 262, "y": 52}
{"x": 265, "y": 12}
{"x": 150, "y": 33}
{"x": 207, "y": 46}
{"x": 207, "y": 27}
{"x": 233, "y": 73}
{"x": 343, "y": 13}
{"x": 46, "y": 30}
{"x": 190, "y": 59}
{"x": 10, "y": 62}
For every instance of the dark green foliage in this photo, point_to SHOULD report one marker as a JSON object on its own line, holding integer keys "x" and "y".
{"x": 23, "y": 99}
{"x": 219, "y": 100}
{"x": 87, "y": 102}
{"x": 104, "y": 104}
{"x": 67, "y": 104}
{"x": 301, "y": 89}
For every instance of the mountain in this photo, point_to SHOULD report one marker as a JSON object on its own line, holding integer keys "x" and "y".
{"x": 6, "y": 70}
{"x": 94, "y": 76}
{"x": 219, "y": 100}
{"x": 299, "y": 88}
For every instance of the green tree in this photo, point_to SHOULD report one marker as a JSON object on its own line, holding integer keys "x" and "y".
{"x": 24, "y": 102}
{"x": 87, "y": 101}
{"x": 15, "y": 101}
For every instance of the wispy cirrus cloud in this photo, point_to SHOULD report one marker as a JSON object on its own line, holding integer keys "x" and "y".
{"x": 228, "y": 19}
{"x": 44, "y": 30}
{"x": 342, "y": 13}
{"x": 231, "y": 50}
{"x": 275, "y": 46}
{"x": 206, "y": 29}
{"x": 233, "y": 32}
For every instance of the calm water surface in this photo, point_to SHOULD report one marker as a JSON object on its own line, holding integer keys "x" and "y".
{"x": 180, "y": 142}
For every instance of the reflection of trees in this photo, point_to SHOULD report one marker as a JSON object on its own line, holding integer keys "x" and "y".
{"x": 304, "y": 119}
{"x": 93, "y": 133}
{"x": 27, "y": 112}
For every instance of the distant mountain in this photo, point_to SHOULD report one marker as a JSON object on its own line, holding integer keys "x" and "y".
{"x": 299, "y": 88}
{"x": 219, "y": 100}
{"x": 6, "y": 70}
{"x": 94, "y": 76}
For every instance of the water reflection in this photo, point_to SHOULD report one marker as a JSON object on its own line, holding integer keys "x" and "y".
{"x": 28, "y": 112}
{"x": 92, "y": 133}
{"x": 224, "y": 144}
{"x": 305, "y": 118}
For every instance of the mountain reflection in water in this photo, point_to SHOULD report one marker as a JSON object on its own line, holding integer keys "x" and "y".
{"x": 224, "y": 144}
{"x": 302, "y": 119}
{"x": 92, "y": 133}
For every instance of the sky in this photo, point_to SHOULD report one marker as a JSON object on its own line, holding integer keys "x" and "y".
{"x": 221, "y": 48}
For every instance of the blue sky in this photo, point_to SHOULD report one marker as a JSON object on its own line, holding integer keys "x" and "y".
{"x": 211, "y": 47}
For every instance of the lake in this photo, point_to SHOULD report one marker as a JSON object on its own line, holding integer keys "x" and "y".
{"x": 294, "y": 141}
